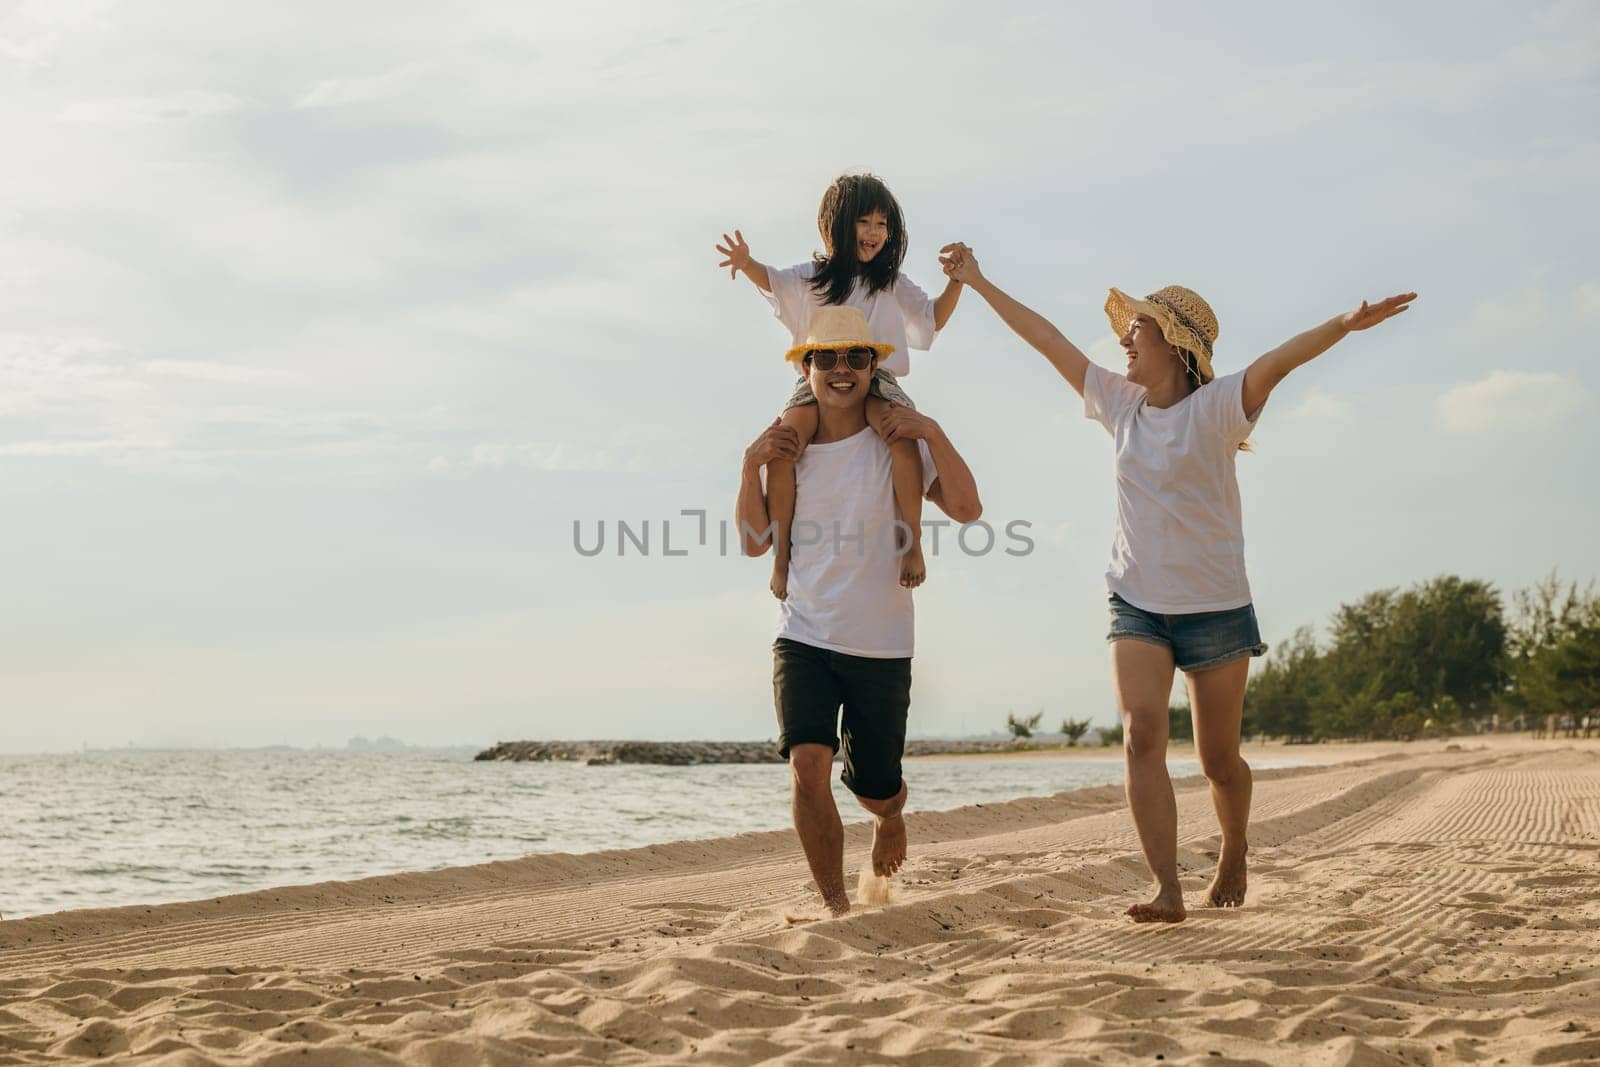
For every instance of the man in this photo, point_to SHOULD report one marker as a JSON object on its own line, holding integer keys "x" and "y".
{"x": 845, "y": 631}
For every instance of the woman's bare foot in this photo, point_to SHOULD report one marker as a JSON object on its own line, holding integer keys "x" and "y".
{"x": 1167, "y": 907}
{"x": 780, "y": 576}
{"x": 1227, "y": 888}
{"x": 888, "y": 845}
{"x": 913, "y": 571}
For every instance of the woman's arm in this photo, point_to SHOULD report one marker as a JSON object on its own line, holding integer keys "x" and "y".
{"x": 1263, "y": 376}
{"x": 962, "y": 266}
{"x": 750, "y": 510}
{"x": 954, "y": 489}
{"x": 739, "y": 259}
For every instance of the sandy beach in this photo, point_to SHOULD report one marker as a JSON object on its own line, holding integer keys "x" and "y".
{"x": 1409, "y": 903}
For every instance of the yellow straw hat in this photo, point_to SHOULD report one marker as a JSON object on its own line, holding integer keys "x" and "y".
{"x": 1185, "y": 320}
{"x": 837, "y": 327}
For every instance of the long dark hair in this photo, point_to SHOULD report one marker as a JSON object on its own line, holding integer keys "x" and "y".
{"x": 849, "y": 198}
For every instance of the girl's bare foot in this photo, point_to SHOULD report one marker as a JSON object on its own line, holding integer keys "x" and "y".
{"x": 913, "y": 571}
{"x": 1227, "y": 889}
{"x": 1167, "y": 907}
{"x": 780, "y": 576}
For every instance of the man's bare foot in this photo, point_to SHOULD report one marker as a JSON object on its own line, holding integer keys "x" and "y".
{"x": 913, "y": 571}
{"x": 1227, "y": 888}
{"x": 780, "y": 576}
{"x": 1167, "y": 907}
{"x": 837, "y": 902}
{"x": 888, "y": 845}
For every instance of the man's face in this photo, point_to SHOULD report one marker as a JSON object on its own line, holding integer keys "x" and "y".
{"x": 841, "y": 388}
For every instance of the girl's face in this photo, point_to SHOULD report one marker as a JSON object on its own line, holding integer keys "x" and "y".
{"x": 872, "y": 233}
{"x": 1151, "y": 360}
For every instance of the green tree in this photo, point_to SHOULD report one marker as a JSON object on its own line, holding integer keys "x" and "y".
{"x": 1074, "y": 729}
{"x": 1554, "y": 656}
{"x": 1023, "y": 728}
{"x": 1282, "y": 693}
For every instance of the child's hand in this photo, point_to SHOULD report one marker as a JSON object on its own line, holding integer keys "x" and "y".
{"x": 904, "y": 424}
{"x": 959, "y": 263}
{"x": 776, "y": 442}
{"x": 737, "y": 251}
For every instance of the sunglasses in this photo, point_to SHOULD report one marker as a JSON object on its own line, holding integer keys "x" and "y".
{"x": 825, "y": 359}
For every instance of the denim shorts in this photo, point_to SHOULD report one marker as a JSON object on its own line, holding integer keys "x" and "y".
{"x": 1198, "y": 640}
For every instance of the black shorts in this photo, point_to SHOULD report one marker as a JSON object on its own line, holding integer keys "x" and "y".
{"x": 810, "y": 685}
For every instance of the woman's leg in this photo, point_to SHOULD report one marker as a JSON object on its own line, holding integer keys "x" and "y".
{"x": 802, "y": 418}
{"x": 906, "y": 474}
{"x": 1217, "y": 699}
{"x": 1142, "y": 674}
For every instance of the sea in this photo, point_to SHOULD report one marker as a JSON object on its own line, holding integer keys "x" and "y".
{"x": 105, "y": 828}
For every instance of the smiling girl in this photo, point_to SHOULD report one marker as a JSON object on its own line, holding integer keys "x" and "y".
{"x": 864, "y": 244}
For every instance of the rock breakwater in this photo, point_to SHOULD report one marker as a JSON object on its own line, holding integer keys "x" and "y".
{"x": 689, "y": 753}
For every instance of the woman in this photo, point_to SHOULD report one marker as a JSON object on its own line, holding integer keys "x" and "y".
{"x": 1179, "y": 596}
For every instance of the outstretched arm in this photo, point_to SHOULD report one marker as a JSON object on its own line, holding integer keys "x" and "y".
{"x": 1263, "y": 376}
{"x": 962, "y": 266}
{"x": 944, "y": 305}
{"x": 750, "y": 510}
{"x": 954, "y": 489}
{"x": 739, "y": 259}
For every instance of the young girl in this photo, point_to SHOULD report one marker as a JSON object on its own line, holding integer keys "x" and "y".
{"x": 864, "y": 244}
{"x": 1179, "y": 597}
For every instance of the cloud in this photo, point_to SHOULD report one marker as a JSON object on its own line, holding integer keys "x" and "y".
{"x": 142, "y": 110}
{"x": 533, "y": 455}
{"x": 340, "y": 92}
{"x": 1317, "y": 404}
{"x": 560, "y": 456}
{"x": 1586, "y": 300}
{"x": 1510, "y": 400}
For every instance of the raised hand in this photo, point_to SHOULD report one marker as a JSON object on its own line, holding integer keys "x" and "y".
{"x": 959, "y": 263}
{"x": 737, "y": 251}
{"x": 1369, "y": 315}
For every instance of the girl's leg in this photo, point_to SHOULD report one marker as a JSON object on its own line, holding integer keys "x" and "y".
{"x": 1217, "y": 697}
{"x": 802, "y": 418}
{"x": 906, "y": 463}
{"x": 1142, "y": 674}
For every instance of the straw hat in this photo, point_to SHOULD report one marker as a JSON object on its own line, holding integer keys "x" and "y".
{"x": 837, "y": 327}
{"x": 1185, "y": 320}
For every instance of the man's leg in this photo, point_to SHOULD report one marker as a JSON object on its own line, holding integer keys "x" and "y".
{"x": 1142, "y": 674}
{"x": 888, "y": 833}
{"x": 877, "y": 703}
{"x": 807, "y": 694}
{"x": 1217, "y": 699}
{"x": 816, "y": 820}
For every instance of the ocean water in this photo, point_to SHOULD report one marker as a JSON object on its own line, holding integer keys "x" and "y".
{"x": 108, "y": 828}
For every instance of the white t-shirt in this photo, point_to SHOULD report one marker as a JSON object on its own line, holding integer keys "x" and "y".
{"x": 1179, "y": 541}
{"x": 844, "y": 594}
{"x": 901, "y": 315}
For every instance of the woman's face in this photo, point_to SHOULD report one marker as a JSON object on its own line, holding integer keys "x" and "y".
{"x": 872, "y": 233}
{"x": 1151, "y": 360}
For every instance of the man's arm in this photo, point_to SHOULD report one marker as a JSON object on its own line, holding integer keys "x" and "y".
{"x": 1263, "y": 376}
{"x": 750, "y": 510}
{"x": 961, "y": 265}
{"x": 955, "y": 490}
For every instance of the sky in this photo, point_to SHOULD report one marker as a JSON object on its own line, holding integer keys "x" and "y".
{"x": 322, "y": 325}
